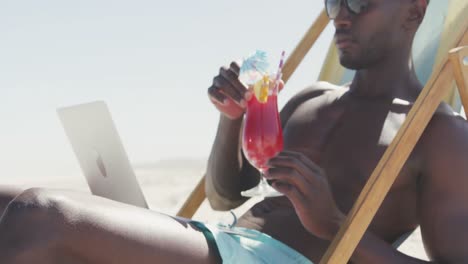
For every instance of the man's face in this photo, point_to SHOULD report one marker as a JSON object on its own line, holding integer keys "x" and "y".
{"x": 370, "y": 37}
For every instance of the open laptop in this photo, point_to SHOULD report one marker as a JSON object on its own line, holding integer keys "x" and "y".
{"x": 100, "y": 153}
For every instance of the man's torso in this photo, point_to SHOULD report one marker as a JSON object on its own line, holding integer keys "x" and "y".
{"x": 346, "y": 137}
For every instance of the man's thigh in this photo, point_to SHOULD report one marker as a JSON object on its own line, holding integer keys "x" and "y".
{"x": 8, "y": 193}
{"x": 98, "y": 230}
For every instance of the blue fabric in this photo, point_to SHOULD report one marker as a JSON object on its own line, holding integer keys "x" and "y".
{"x": 427, "y": 41}
{"x": 241, "y": 245}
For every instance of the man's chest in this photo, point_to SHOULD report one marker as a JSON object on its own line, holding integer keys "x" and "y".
{"x": 347, "y": 141}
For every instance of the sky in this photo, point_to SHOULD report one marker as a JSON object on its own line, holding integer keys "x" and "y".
{"x": 150, "y": 61}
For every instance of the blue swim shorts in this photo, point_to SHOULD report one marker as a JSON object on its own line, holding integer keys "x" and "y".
{"x": 246, "y": 246}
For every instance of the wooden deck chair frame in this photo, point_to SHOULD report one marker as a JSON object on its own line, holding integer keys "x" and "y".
{"x": 454, "y": 66}
{"x": 198, "y": 195}
{"x": 399, "y": 150}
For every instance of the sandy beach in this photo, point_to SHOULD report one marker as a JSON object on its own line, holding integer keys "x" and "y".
{"x": 166, "y": 186}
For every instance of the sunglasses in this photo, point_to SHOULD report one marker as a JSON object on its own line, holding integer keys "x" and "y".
{"x": 333, "y": 7}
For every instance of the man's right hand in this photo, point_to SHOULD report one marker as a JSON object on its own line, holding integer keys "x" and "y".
{"x": 228, "y": 94}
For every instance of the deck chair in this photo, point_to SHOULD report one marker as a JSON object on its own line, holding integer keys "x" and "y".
{"x": 445, "y": 27}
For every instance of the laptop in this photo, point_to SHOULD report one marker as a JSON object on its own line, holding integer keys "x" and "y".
{"x": 100, "y": 153}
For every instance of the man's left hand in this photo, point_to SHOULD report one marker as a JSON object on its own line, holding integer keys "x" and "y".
{"x": 306, "y": 186}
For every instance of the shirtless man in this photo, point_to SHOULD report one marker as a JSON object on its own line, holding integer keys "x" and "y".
{"x": 334, "y": 137}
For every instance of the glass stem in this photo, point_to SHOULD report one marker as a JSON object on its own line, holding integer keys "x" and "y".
{"x": 263, "y": 181}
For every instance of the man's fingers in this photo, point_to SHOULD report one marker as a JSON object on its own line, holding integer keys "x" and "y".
{"x": 233, "y": 79}
{"x": 290, "y": 177}
{"x": 303, "y": 159}
{"x": 294, "y": 165}
{"x": 293, "y": 194}
{"x": 228, "y": 107}
{"x": 235, "y": 67}
{"x": 215, "y": 95}
{"x": 225, "y": 87}
{"x": 281, "y": 187}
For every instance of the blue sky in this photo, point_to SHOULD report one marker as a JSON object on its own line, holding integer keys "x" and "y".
{"x": 151, "y": 61}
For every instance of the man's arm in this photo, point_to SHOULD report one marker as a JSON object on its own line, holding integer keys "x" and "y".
{"x": 228, "y": 171}
{"x": 443, "y": 199}
{"x": 227, "y": 174}
{"x": 444, "y": 191}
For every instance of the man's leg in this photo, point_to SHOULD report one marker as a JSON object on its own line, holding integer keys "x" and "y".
{"x": 8, "y": 193}
{"x": 45, "y": 226}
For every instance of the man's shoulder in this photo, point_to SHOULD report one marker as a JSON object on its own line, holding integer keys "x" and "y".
{"x": 446, "y": 132}
{"x": 316, "y": 90}
{"x": 446, "y": 120}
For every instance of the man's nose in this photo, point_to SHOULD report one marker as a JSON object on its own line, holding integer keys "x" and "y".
{"x": 343, "y": 19}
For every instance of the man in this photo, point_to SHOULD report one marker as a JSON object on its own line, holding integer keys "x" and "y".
{"x": 333, "y": 139}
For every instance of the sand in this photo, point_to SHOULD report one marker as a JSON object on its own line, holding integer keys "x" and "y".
{"x": 166, "y": 186}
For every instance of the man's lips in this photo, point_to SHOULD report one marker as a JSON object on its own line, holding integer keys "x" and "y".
{"x": 343, "y": 41}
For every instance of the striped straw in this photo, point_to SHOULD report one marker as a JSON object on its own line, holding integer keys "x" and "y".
{"x": 279, "y": 73}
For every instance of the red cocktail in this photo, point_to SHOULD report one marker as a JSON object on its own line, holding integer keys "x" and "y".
{"x": 262, "y": 139}
{"x": 262, "y": 135}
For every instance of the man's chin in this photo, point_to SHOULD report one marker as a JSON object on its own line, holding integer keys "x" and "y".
{"x": 349, "y": 64}
{"x": 351, "y": 58}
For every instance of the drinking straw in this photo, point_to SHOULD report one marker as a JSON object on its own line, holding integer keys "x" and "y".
{"x": 279, "y": 73}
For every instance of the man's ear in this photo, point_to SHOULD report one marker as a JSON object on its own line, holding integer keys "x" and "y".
{"x": 416, "y": 12}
